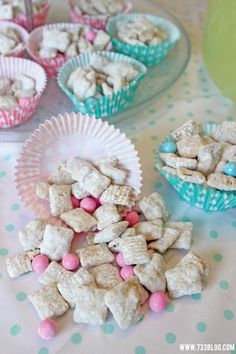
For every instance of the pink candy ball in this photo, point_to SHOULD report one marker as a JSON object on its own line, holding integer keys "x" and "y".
{"x": 120, "y": 260}
{"x": 90, "y": 36}
{"x": 88, "y": 204}
{"x": 132, "y": 217}
{"x": 98, "y": 202}
{"x": 24, "y": 101}
{"x": 126, "y": 272}
{"x": 75, "y": 202}
{"x": 40, "y": 263}
{"x": 70, "y": 261}
{"x": 47, "y": 329}
{"x": 158, "y": 302}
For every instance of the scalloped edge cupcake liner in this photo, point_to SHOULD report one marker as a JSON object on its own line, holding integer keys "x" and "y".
{"x": 30, "y": 165}
{"x": 148, "y": 55}
{"x": 22, "y": 33}
{"x": 38, "y": 19}
{"x": 50, "y": 65}
{"x": 104, "y": 105}
{"x": 10, "y": 67}
{"x": 93, "y": 21}
{"x": 200, "y": 196}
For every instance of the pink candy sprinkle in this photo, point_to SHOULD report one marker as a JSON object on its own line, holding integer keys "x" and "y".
{"x": 24, "y": 101}
{"x": 126, "y": 272}
{"x": 40, "y": 263}
{"x": 120, "y": 260}
{"x": 90, "y": 36}
{"x": 132, "y": 217}
{"x": 158, "y": 302}
{"x": 70, "y": 261}
{"x": 75, "y": 202}
{"x": 47, "y": 329}
{"x": 88, "y": 204}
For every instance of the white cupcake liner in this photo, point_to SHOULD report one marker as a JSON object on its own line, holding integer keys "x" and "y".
{"x": 95, "y": 21}
{"x": 51, "y": 65}
{"x": 67, "y": 136}
{"x": 11, "y": 68}
{"x": 22, "y": 34}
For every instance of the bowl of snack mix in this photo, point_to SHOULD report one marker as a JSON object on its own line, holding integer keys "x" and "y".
{"x": 200, "y": 163}
{"x": 144, "y": 37}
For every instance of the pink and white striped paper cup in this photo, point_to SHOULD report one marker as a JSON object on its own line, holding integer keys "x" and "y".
{"x": 94, "y": 21}
{"x": 11, "y": 68}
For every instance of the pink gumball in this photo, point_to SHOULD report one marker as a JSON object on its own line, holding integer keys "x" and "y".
{"x": 24, "y": 101}
{"x": 47, "y": 329}
{"x": 158, "y": 302}
{"x": 40, "y": 263}
{"x": 120, "y": 260}
{"x": 88, "y": 204}
{"x": 90, "y": 36}
{"x": 75, "y": 202}
{"x": 132, "y": 217}
{"x": 70, "y": 261}
{"x": 126, "y": 272}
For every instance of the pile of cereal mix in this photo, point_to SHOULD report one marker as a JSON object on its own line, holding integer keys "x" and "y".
{"x": 121, "y": 266}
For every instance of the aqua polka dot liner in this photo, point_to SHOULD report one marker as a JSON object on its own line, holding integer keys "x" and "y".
{"x": 103, "y": 105}
{"x": 148, "y": 55}
{"x": 200, "y": 196}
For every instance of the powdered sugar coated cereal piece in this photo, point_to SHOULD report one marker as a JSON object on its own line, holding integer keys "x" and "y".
{"x": 32, "y": 235}
{"x": 117, "y": 175}
{"x": 208, "y": 158}
{"x": 111, "y": 232}
{"x": 128, "y": 232}
{"x": 20, "y": 263}
{"x": 175, "y": 161}
{"x": 106, "y": 276}
{"x": 106, "y": 215}
{"x": 152, "y": 230}
{"x": 192, "y": 259}
{"x": 189, "y": 146}
{"x": 116, "y": 194}
{"x": 48, "y": 302}
{"x": 170, "y": 170}
{"x": 153, "y": 207}
{"x": 79, "y": 220}
{"x": 56, "y": 242}
{"x": 184, "y": 241}
{"x": 170, "y": 235}
{"x": 225, "y": 132}
{"x": 42, "y": 190}
{"x": 90, "y": 306}
{"x": 190, "y": 176}
{"x": 115, "y": 245}
{"x": 222, "y": 182}
{"x": 92, "y": 256}
{"x": 54, "y": 273}
{"x": 59, "y": 199}
{"x": 134, "y": 250}
{"x": 60, "y": 175}
{"x": 189, "y": 128}
{"x": 79, "y": 191}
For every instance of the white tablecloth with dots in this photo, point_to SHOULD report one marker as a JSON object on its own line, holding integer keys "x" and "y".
{"x": 206, "y": 318}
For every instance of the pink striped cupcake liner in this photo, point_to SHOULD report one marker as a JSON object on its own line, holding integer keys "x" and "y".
{"x": 38, "y": 19}
{"x": 22, "y": 33}
{"x": 51, "y": 65}
{"x": 94, "y": 21}
{"x": 11, "y": 68}
{"x": 67, "y": 136}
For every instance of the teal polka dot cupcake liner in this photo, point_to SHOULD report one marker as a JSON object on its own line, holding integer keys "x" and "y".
{"x": 103, "y": 105}
{"x": 200, "y": 196}
{"x": 148, "y": 55}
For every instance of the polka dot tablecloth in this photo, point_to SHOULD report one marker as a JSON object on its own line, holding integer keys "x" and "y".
{"x": 209, "y": 317}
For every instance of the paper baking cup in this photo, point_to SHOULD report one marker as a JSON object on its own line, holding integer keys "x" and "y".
{"x": 22, "y": 34}
{"x": 64, "y": 137}
{"x": 38, "y": 19}
{"x": 103, "y": 105}
{"x": 148, "y": 55}
{"x": 11, "y": 68}
{"x": 51, "y": 65}
{"x": 93, "y": 21}
{"x": 200, "y": 196}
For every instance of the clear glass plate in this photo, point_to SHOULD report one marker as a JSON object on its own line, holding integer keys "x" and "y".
{"x": 158, "y": 79}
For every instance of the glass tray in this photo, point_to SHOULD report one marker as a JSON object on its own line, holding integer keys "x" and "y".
{"x": 158, "y": 79}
